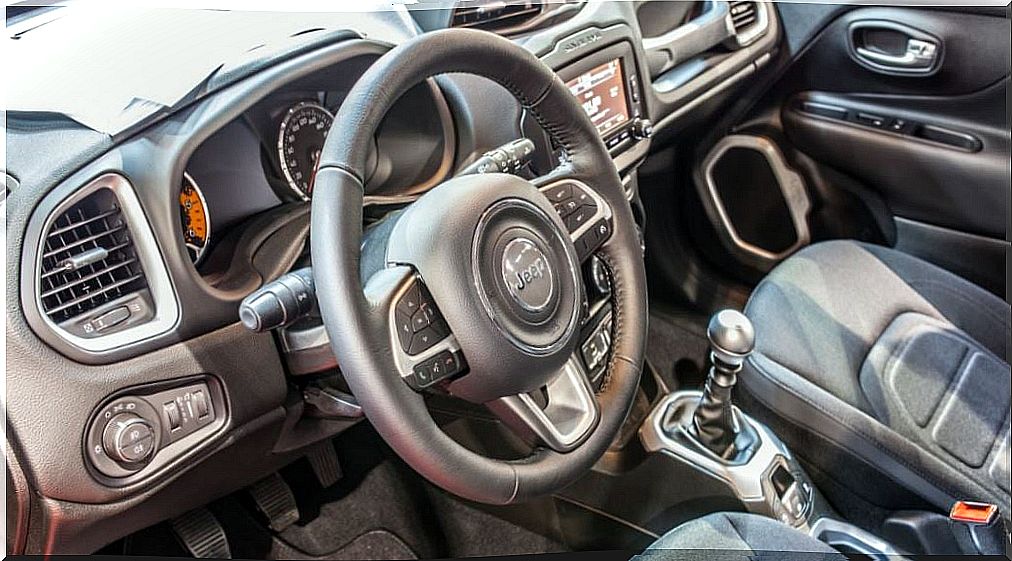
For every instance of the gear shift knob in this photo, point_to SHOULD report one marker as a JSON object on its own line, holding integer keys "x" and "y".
{"x": 731, "y": 336}
{"x": 732, "y": 339}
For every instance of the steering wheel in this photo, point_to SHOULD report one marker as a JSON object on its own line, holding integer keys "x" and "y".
{"x": 475, "y": 288}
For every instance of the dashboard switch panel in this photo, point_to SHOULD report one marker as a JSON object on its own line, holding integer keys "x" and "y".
{"x": 142, "y": 429}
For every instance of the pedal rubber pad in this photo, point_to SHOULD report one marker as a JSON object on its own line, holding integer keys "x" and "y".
{"x": 202, "y": 535}
{"x": 275, "y": 500}
{"x": 323, "y": 459}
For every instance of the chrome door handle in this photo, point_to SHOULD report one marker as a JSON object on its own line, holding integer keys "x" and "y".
{"x": 890, "y": 47}
{"x": 919, "y": 54}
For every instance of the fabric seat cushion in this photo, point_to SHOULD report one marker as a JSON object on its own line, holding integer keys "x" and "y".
{"x": 738, "y": 535}
{"x": 895, "y": 361}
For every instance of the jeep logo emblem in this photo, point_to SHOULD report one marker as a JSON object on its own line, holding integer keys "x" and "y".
{"x": 528, "y": 275}
{"x": 581, "y": 41}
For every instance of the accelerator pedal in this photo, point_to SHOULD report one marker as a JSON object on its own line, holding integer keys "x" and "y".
{"x": 202, "y": 535}
{"x": 274, "y": 499}
{"x": 323, "y": 459}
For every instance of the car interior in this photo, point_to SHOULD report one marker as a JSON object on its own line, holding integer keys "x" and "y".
{"x": 474, "y": 278}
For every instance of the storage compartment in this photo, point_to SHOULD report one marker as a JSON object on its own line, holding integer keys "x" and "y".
{"x": 758, "y": 204}
{"x": 746, "y": 185}
{"x": 852, "y": 540}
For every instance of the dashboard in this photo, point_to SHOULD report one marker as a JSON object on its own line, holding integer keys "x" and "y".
{"x": 132, "y": 253}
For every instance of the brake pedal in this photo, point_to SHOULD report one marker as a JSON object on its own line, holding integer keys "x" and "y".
{"x": 275, "y": 500}
{"x": 327, "y": 468}
{"x": 202, "y": 535}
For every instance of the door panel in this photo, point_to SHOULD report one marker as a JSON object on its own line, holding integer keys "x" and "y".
{"x": 902, "y": 114}
{"x": 902, "y": 147}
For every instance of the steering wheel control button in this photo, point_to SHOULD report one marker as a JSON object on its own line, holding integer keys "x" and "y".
{"x": 418, "y": 322}
{"x": 559, "y": 193}
{"x": 408, "y": 304}
{"x": 423, "y": 341}
{"x": 593, "y": 238}
{"x": 444, "y": 365}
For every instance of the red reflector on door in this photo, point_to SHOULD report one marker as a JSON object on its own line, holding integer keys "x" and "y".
{"x": 973, "y": 513}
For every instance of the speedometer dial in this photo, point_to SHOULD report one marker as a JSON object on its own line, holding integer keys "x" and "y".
{"x": 300, "y": 141}
{"x": 194, "y": 217}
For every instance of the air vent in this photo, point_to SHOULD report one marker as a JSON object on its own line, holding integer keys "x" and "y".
{"x": 494, "y": 16}
{"x": 743, "y": 15}
{"x": 88, "y": 258}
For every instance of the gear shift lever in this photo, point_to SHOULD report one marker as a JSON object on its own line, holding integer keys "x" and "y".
{"x": 732, "y": 339}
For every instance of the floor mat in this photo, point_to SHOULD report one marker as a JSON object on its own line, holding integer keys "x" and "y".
{"x": 382, "y": 499}
{"x": 677, "y": 348}
{"x": 471, "y": 532}
{"x": 377, "y": 544}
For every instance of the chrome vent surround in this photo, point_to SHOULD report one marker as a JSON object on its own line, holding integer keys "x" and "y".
{"x": 744, "y": 14}
{"x": 98, "y": 278}
{"x": 88, "y": 258}
{"x": 494, "y": 16}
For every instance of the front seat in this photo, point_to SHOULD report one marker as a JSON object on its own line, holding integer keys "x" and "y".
{"x": 738, "y": 536}
{"x": 887, "y": 375}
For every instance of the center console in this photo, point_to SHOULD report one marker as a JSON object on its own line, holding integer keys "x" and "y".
{"x": 703, "y": 432}
{"x": 601, "y": 68}
{"x": 607, "y": 85}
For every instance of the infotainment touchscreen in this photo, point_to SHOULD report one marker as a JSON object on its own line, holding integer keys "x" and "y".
{"x": 601, "y": 91}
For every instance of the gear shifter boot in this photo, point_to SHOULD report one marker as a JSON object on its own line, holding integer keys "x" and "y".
{"x": 732, "y": 339}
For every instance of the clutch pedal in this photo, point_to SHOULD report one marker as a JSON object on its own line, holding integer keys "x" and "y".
{"x": 275, "y": 500}
{"x": 201, "y": 534}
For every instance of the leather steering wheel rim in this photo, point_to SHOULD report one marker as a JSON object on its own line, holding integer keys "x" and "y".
{"x": 359, "y": 335}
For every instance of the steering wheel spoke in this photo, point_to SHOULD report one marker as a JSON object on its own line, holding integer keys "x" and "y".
{"x": 585, "y": 214}
{"x": 424, "y": 349}
{"x": 561, "y": 415}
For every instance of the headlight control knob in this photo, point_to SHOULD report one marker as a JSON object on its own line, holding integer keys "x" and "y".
{"x": 128, "y": 438}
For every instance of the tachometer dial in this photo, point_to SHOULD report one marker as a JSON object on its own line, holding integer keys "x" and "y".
{"x": 300, "y": 141}
{"x": 194, "y": 217}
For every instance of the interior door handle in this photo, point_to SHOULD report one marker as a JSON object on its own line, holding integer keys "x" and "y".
{"x": 918, "y": 54}
{"x": 894, "y": 48}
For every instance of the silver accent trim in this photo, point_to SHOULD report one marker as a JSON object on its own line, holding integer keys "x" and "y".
{"x": 603, "y": 210}
{"x": 571, "y": 264}
{"x": 746, "y": 479}
{"x": 572, "y": 412}
{"x": 289, "y": 181}
{"x": 707, "y": 95}
{"x": 792, "y": 186}
{"x": 202, "y": 251}
{"x": 834, "y": 532}
{"x": 166, "y": 312}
